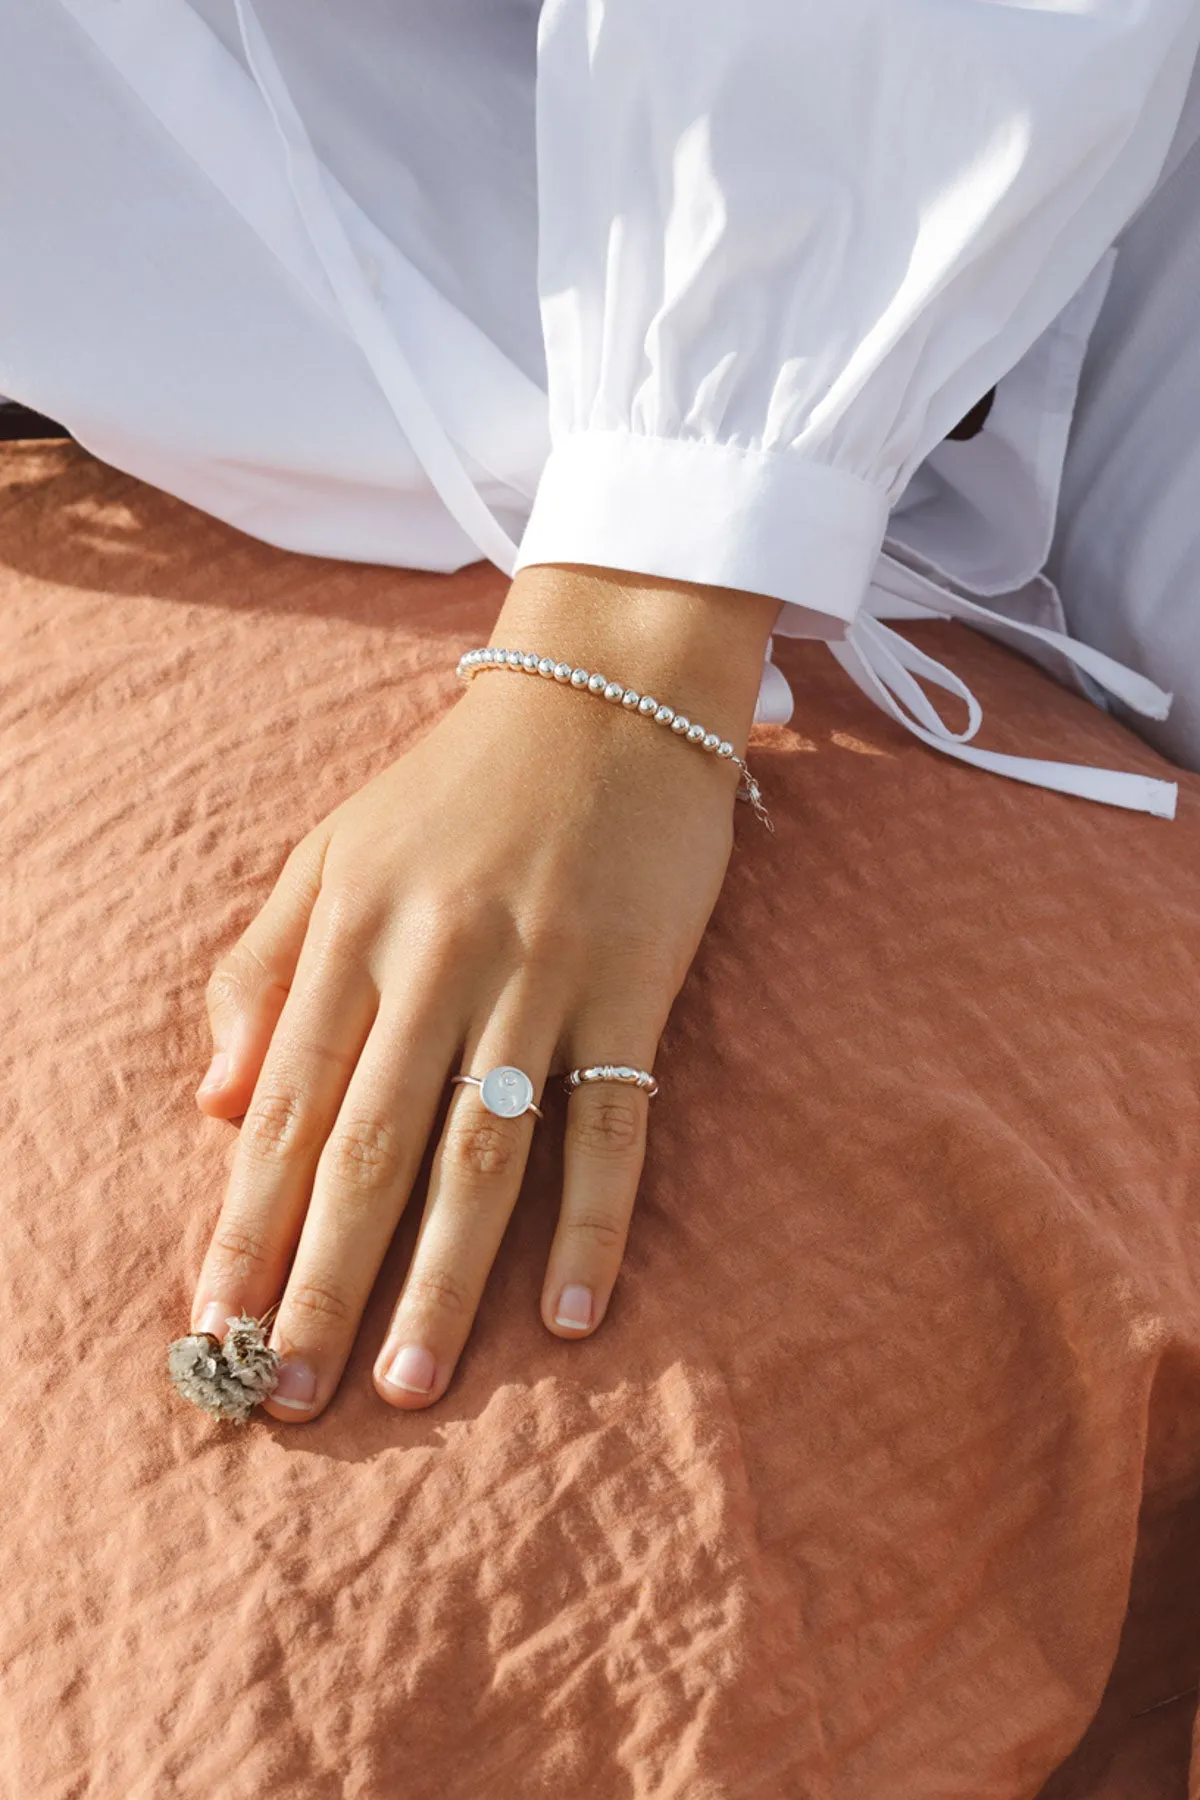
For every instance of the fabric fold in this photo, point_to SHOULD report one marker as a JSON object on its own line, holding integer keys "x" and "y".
{"x": 364, "y": 315}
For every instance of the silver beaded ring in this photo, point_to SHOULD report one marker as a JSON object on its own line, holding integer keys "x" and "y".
{"x": 641, "y": 1078}
{"x": 474, "y": 662}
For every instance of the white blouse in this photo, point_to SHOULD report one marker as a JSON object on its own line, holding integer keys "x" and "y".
{"x": 678, "y": 286}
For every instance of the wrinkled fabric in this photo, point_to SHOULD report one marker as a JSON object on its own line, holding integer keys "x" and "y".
{"x": 1126, "y": 555}
{"x": 882, "y": 1478}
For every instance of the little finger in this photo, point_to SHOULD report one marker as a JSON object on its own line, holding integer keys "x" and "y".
{"x": 603, "y": 1155}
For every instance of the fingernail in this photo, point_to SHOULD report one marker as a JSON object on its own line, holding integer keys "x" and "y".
{"x": 574, "y": 1308}
{"x": 297, "y": 1384}
{"x": 412, "y": 1369}
{"x": 213, "y": 1319}
{"x": 218, "y": 1068}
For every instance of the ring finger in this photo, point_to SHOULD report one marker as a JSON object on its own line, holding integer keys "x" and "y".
{"x": 473, "y": 1186}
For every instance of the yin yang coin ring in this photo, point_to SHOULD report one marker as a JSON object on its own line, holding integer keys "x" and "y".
{"x": 505, "y": 1091}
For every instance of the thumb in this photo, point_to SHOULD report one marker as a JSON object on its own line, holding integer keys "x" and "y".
{"x": 248, "y": 986}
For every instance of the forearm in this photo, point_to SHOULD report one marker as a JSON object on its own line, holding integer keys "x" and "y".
{"x": 698, "y": 648}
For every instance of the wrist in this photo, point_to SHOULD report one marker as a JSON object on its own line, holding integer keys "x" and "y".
{"x": 698, "y": 648}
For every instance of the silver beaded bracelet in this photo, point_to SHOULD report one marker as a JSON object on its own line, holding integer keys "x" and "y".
{"x": 473, "y": 662}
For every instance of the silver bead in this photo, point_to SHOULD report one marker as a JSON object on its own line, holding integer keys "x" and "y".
{"x": 725, "y": 748}
{"x": 630, "y": 699}
{"x": 663, "y": 716}
{"x": 513, "y": 659}
{"x": 614, "y": 691}
{"x": 562, "y": 671}
{"x": 529, "y": 663}
{"x": 680, "y": 723}
{"x": 711, "y": 740}
{"x": 546, "y": 667}
{"x": 695, "y": 734}
{"x": 646, "y": 705}
{"x": 626, "y": 1074}
{"x": 579, "y": 677}
{"x": 596, "y": 684}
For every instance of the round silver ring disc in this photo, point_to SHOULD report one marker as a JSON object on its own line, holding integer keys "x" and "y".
{"x": 506, "y": 1091}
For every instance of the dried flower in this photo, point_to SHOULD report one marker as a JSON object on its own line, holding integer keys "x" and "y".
{"x": 227, "y": 1380}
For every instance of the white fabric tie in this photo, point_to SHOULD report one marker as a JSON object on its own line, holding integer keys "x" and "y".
{"x": 883, "y": 664}
{"x": 364, "y": 315}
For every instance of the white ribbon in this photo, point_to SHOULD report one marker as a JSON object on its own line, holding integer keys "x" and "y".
{"x": 364, "y": 315}
{"x": 882, "y": 663}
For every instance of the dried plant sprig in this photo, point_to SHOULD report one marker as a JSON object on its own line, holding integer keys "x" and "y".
{"x": 227, "y": 1380}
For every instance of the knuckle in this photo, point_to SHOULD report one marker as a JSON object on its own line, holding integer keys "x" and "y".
{"x": 275, "y": 1126}
{"x": 222, "y": 985}
{"x": 362, "y": 1155}
{"x": 312, "y": 1301}
{"x": 305, "y": 862}
{"x": 347, "y": 921}
{"x": 600, "y": 1230}
{"x": 440, "y": 1291}
{"x": 485, "y": 1147}
{"x": 554, "y": 938}
{"x": 607, "y": 1126}
{"x": 240, "y": 1254}
{"x": 240, "y": 973}
{"x": 226, "y": 989}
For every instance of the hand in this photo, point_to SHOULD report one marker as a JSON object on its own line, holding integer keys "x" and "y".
{"x": 528, "y": 885}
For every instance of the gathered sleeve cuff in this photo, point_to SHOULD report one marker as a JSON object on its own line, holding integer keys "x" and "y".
{"x": 786, "y": 245}
{"x": 758, "y": 520}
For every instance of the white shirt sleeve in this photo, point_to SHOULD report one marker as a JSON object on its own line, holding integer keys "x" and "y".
{"x": 785, "y": 245}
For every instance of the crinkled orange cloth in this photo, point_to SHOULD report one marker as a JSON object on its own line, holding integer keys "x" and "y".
{"x": 880, "y": 1482}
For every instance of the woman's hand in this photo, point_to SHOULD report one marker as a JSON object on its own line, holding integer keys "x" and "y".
{"x": 529, "y": 886}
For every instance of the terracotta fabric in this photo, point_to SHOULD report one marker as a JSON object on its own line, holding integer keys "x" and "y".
{"x": 882, "y": 1479}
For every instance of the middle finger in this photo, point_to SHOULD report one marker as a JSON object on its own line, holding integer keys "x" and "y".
{"x": 473, "y": 1185}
